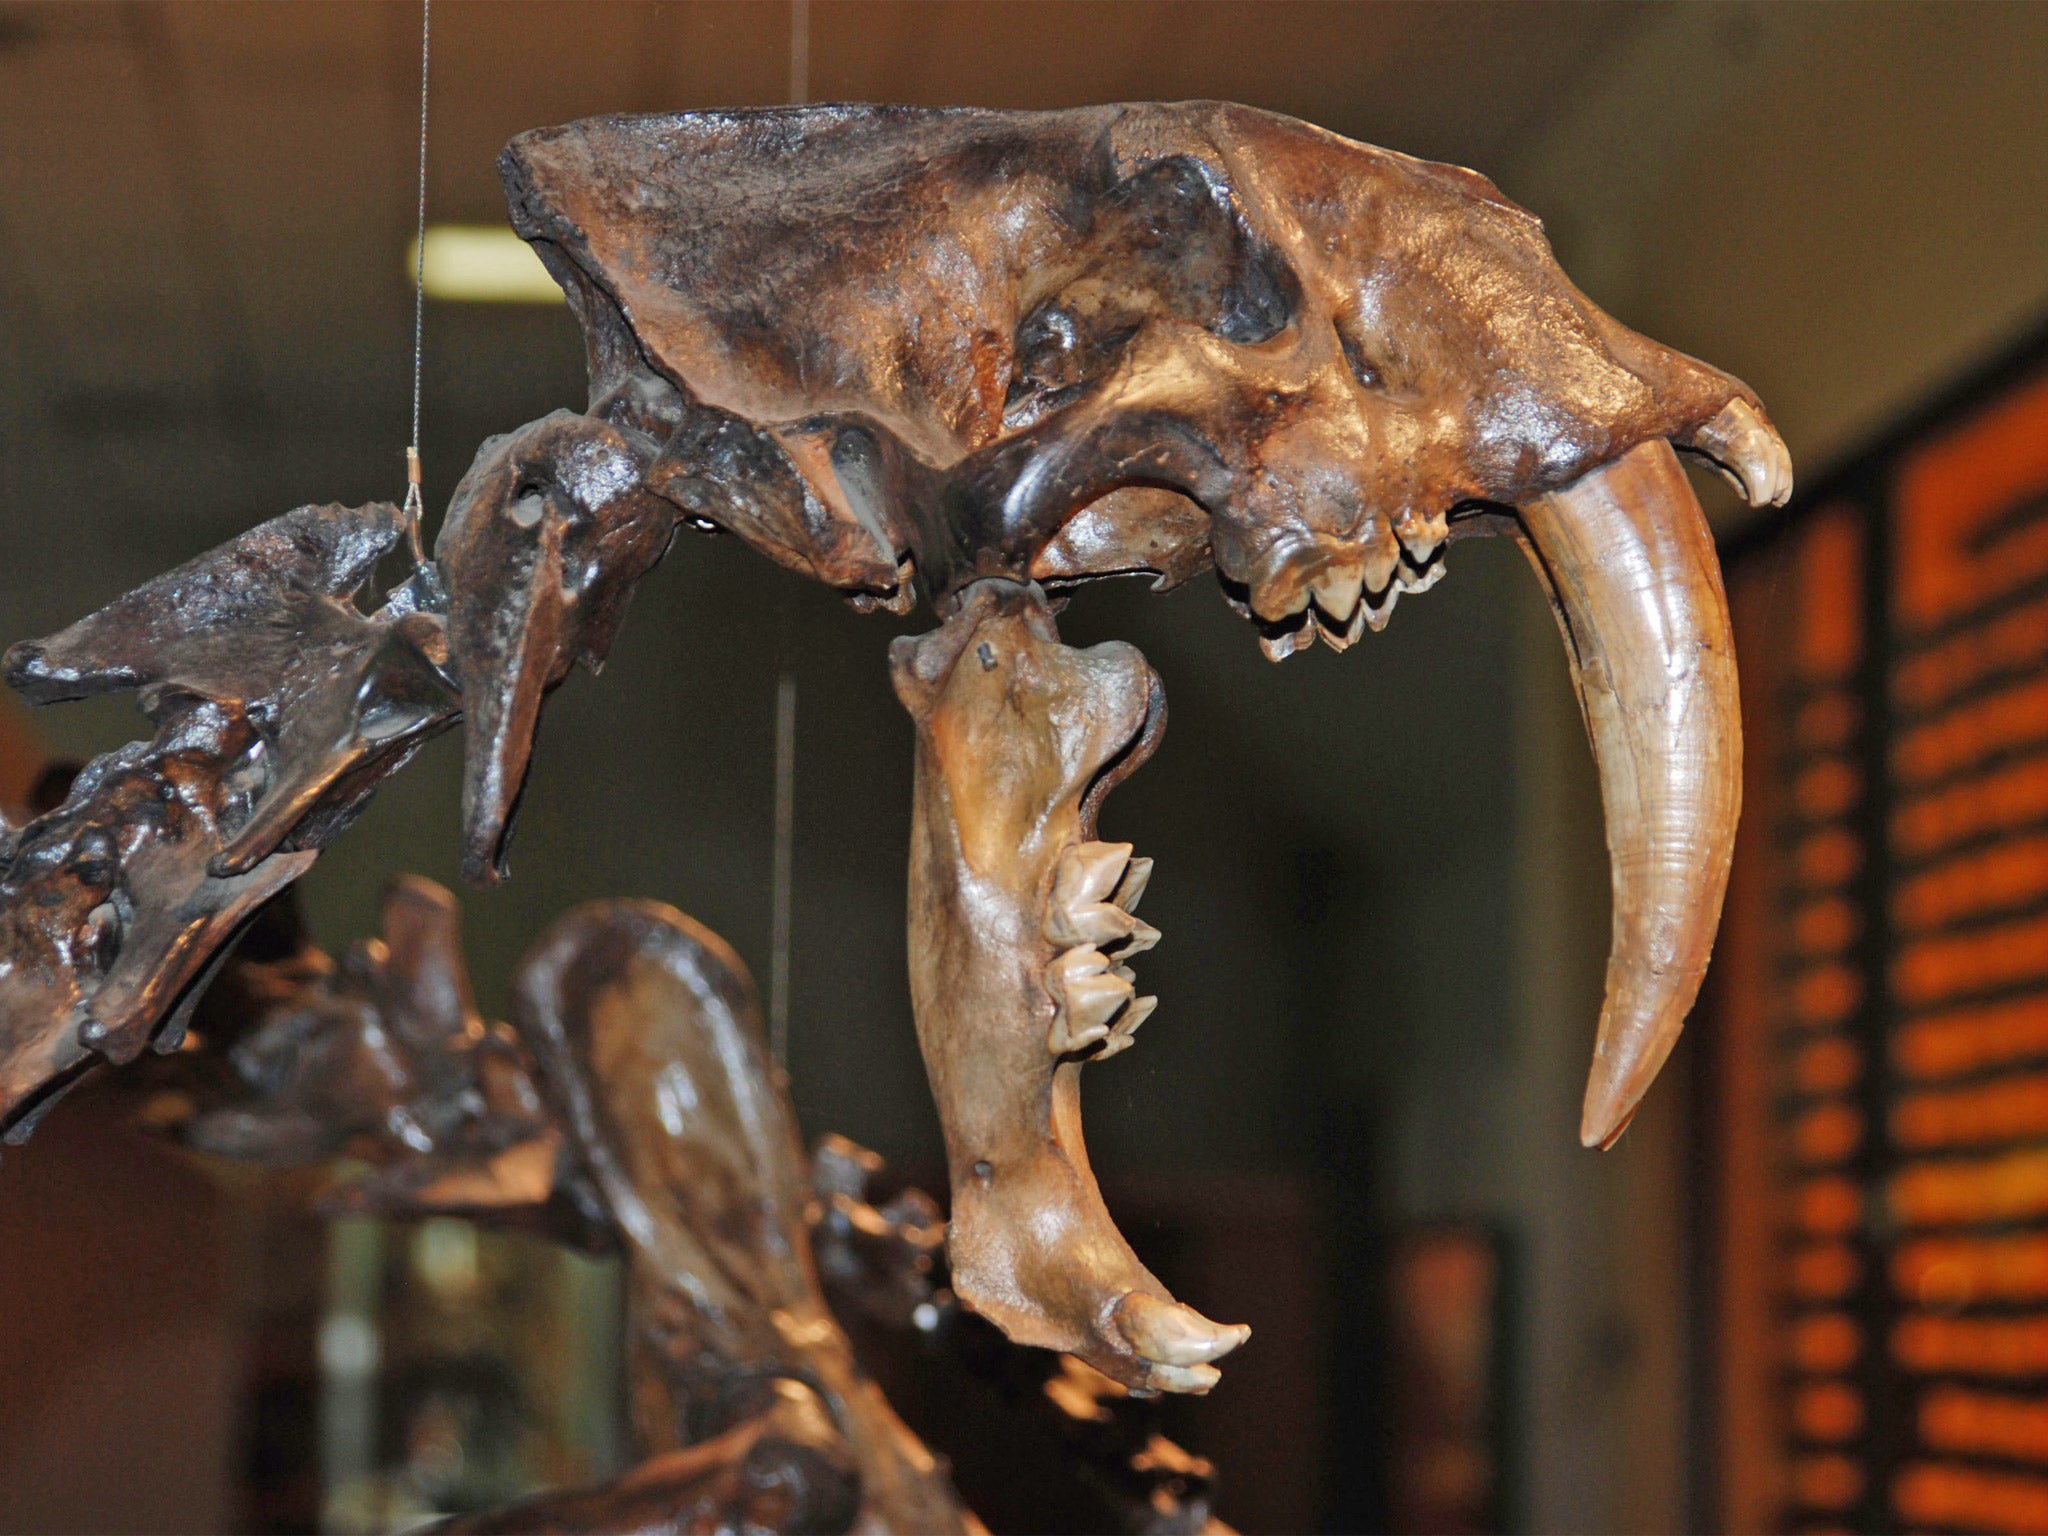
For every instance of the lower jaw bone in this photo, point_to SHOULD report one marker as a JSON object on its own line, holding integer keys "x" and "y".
{"x": 1014, "y": 732}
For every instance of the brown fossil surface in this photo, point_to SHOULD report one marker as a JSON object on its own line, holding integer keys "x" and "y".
{"x": 634, "y": 1110}
{"x": 1020, "y": 927}
{"x": 279, "y": 706}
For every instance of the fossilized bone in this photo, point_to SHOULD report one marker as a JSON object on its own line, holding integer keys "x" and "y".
{"x": 633, "y": 1109}
{"x": 1020, "y": 922}
{"x": 907, "y": 350}
{"x": 279, "y": 707}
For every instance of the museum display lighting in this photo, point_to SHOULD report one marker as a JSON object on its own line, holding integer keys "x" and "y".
{"x": 479, "y": 264}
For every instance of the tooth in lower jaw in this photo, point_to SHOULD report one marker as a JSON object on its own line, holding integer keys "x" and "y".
{"x": 1086, "y": 996}
{"x": 1136, "y": 877}
{"x": 1190, "y": 1380}
{"x": 1420, "y": 581}
{"x": 1081, "y": 910}
{"x": 1168, "y": 1333}
{"x": 1090, "y": 871}
{"x": 1337, "y": 595}
{"x": 1126, "y": 1025}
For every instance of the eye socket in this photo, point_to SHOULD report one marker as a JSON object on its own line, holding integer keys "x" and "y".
{"x": 1361, "y": 366}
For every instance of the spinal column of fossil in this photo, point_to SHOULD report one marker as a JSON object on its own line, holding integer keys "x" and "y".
{"x": 1020, "y": 926}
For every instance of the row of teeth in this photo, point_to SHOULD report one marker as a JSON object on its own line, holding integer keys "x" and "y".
{"x": 1095, "y": 891}
{"x": 1346, "y": 600}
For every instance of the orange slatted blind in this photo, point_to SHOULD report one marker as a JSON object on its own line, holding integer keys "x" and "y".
{"x": 1793, "y": 1058}
{"x": 1966, "y": 1189}
{"x": 1882, "y": 1000}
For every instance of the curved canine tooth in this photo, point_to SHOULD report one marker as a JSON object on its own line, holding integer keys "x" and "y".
{"x": 1337, "y": 595}
{"x": 1085, "y": 995}
{"x": 1420, "y": 581}
{"x": 1126, "y": 1026}
{"x": 1171, "y": 1334}
{"x": 1136, "y": 877}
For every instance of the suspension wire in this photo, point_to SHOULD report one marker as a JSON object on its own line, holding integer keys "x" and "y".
{"x": 785, "y": 848}
{"x": 785, "y": 685}
{"x": 413, "y": 506}
{"x": 799, "y": 52}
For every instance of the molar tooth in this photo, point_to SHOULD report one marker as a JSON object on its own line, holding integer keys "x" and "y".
{"x": 1268, "y": 606}
{"x": 1346, "y": 636}
{"x": 1337, "y": 595}
{"x": 1085, "y": 998}
{"x": 1082, "y": 910}
{"x": 1098, "y": 923}
{"x": 1188, "y": 1380}
{"x": 1421, "y": 537}
{"x": 1422, "y": 581}
{"x": 1377, "y": 617}
{"x": 1088, "y": 872}
{"x": 1126, "y": 1026}
{"x": 1381, "y": 557}
{"x": 1141, "y": 936}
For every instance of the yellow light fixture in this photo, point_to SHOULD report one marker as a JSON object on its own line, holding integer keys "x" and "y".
{"x": 481, "y": 264}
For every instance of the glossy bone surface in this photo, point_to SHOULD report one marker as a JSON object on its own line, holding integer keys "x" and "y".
{"x": 1019, "y": 926}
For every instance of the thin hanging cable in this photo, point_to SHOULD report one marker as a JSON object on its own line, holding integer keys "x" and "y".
{"x": 799, "y": 52}
{"x": 785, "y": 848}
{"x": 785, "y": 685}
{"x": 413, "y": 506}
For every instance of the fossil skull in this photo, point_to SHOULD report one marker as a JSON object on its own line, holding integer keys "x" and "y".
{"x": 906, "y": 351}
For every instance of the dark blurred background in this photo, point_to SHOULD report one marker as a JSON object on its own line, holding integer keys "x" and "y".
{"x": 1381, "y": 877}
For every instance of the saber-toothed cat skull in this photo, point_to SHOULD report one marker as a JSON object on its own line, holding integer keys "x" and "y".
{"x": 890, "y": 346}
